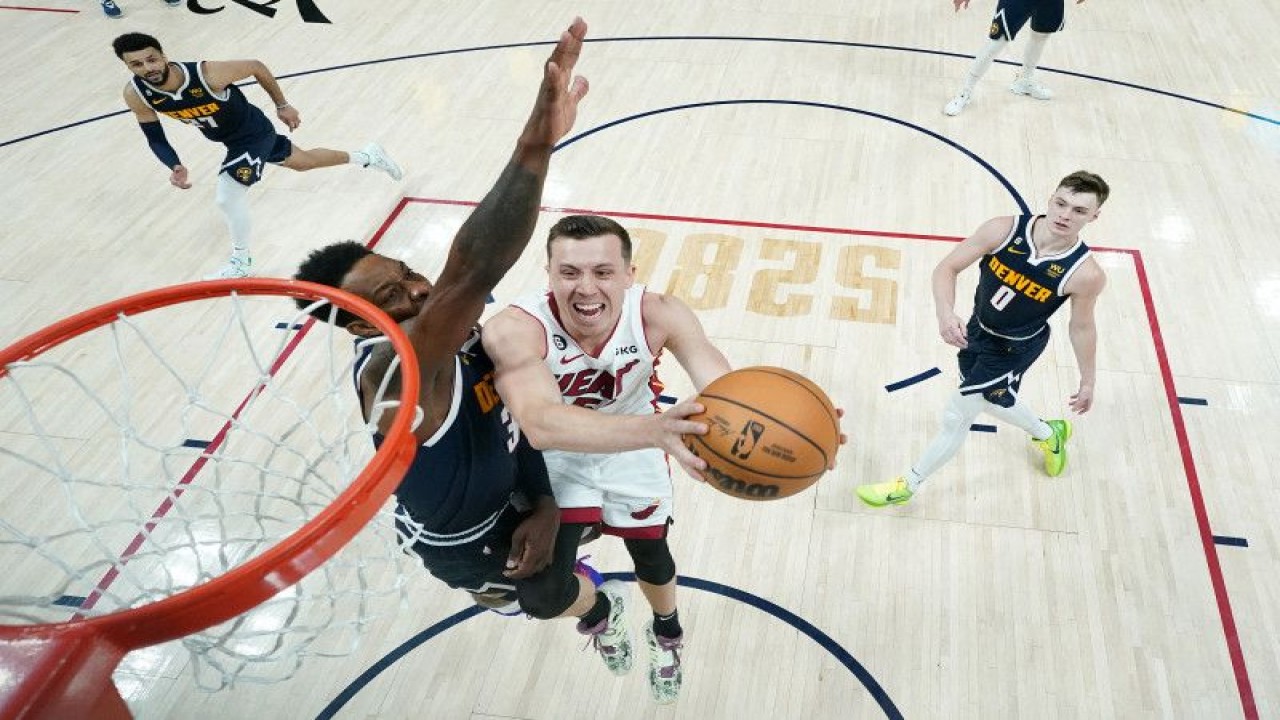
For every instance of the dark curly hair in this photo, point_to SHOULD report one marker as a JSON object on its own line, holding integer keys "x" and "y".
{"x": 328, "y": 266}
{"x": 133, "y": 42}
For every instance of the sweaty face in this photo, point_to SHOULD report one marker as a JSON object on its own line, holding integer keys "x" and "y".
{"x": 389, "y": 284}
{"x": 1070, "y": 211}
{"x": 149, "y": 64}
{"x": 588, "y": 279}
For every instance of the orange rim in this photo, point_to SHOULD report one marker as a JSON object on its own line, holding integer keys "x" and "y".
{"x": 257, "y": 580}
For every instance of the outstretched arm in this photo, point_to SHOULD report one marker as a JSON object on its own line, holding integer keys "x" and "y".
{"x": 985, "y": 239}
{"x": 515, "y": 343}
{"x": 1085, "y": 286}
{"x": 497, "y": 231}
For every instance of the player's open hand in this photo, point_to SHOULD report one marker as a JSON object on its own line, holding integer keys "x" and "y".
{"x": 289, "y": 116}
{"x": 674, "y": 423}
{"x": 1082, "y": 400}
{"x": 533, "y": 540}
{"x": 178, "y": 178}
{"x": 557, "y": 106}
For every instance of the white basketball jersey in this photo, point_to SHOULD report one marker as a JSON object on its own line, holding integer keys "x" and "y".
{"x": 621, "y": 379}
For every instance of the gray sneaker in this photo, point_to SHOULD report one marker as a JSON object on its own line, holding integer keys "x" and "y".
{"x": 1030, "y": 88}
{"x": 611, "y": 638}
{"x": 379, "y": 159}
{"x": 236, "y": 267}
{"x": 957, "y": 103}
{"x": 664, "y": 666}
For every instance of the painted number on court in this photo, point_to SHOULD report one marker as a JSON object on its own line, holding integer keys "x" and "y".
{"x": 790, "y": 278}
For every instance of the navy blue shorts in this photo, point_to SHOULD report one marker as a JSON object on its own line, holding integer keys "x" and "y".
{"x": 1046, "y": 16}
{"x": 245, "y": 158}
{"x": 476, "y": 566}
{"x": 994, "y": 366}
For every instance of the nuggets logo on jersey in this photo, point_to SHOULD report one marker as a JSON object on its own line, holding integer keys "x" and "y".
{"x": 485, "y": 393}
{"x": 1019, "y": 286}
{"x": 1018, "y": 281}
{"x": 228, "y": 117}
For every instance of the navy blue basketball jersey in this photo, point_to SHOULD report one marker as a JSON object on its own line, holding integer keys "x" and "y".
{"x": 462, "y": 477}
{"x": 228, "y": 117}
{"x": 1018, "y": 287}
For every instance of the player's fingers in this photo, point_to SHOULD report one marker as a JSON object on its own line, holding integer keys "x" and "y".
{"x": 688, "y": 460}
{"x": 579, "y": 88}
{"x": 516, "y": 559}
{"x": 686, "y": 408}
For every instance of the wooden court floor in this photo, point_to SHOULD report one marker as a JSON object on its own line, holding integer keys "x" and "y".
{"x": 789, "y": 173}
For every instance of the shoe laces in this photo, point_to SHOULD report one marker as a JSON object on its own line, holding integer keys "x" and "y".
{"x": 597, "y": 639}
{"x": 672, "y": 646}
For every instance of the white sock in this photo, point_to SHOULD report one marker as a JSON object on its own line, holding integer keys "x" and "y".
{"x": 1031, "y": 58}
{"x": 233, "y": 201}
{"x": 1022, "y": 416}
{"x": 358, "y": 157}
{"x": 956, "y": 419}
{"x": 982, "y": 62}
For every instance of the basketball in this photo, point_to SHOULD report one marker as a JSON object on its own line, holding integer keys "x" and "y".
{"x": 771, "y": 433}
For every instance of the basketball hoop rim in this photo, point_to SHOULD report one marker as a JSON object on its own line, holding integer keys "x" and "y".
{"x": 257, "y": 580}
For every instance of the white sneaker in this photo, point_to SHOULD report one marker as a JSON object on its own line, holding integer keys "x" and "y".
{"x": 1028, "y": 86}
{"x": 664, "y": 666}
{"x": 957, "y": 103}
{"x": 612, "y": 638}
{"x": 236, "y": 267}
{"x": 378, "y": 159}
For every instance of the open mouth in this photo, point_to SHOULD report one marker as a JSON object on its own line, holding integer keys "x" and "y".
{"x": 589, "y": 310}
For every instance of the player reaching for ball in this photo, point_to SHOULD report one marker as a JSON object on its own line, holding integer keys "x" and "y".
{"x": 576, "y": 366}
{"x": 1030, "y": 266}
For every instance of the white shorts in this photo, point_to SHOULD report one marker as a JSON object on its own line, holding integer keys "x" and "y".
{"x": 628, "y": 493}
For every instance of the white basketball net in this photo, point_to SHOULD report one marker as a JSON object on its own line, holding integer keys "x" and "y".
{"x": 110, "y": 501}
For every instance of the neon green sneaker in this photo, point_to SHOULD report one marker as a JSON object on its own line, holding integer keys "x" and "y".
{"x": 894, "y": 492}
{"x": 1055, "y": 448}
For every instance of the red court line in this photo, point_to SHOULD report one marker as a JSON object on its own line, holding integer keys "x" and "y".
{"x": 1243, "y": 684}
{"x": 37, "y": 9}
{"x": 1222, "y": 597}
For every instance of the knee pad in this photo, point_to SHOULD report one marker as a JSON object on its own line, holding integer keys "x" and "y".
{"x": 653, "y": 560}
{"x": 548, "y": 594}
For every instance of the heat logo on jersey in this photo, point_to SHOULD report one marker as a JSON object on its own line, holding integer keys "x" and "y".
{"x": 591, "y": 388}
{"x": 647, "y": 511}
{"x": 1018, "y": 281}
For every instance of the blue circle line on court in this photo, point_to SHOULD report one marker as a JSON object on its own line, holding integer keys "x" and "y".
{"x": 1022, "y": 204}
{"x": 709, "y": 38}
{"x": 825, "y": 641}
